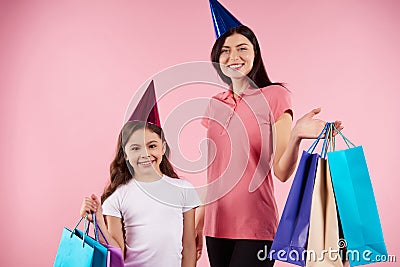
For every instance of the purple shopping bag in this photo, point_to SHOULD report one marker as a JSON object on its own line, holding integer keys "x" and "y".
{"x": 115, "y": 257}
{"x": 290, "y": 241}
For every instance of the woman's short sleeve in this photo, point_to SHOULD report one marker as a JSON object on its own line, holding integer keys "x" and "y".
{"x": 112, "y": 205}
{"x": 279, "y": 100}
{"x": 205, "y": 120}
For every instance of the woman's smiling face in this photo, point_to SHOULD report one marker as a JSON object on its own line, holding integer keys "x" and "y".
{"x": 236, "y": 56}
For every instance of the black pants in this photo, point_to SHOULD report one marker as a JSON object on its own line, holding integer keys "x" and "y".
{"x": 238, "y": 252}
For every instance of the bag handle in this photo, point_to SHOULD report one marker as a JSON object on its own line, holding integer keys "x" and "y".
{"x": 96, "y": 229}
{"x": 346, "y": 140}
{"x": 315, "y": 143}
{"x": 84, "y": 226}
{"x": 326, "y": 140}
{"x": 330, "y": 142}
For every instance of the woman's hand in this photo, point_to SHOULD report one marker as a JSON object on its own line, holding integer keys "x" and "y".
{"x": 307, "y": 127}
{"x": 89, "y": 205}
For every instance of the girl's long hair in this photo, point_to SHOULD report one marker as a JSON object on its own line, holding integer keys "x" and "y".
{"x": 258, "y": 75}
{"x": 120, "y": 169}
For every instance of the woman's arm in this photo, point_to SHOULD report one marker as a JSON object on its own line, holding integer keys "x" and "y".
{"x": 285, "y": 142}
{"x": 288, "y": 140}
{"x": 188, "y": 240}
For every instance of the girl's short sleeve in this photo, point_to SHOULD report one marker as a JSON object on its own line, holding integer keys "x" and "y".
{"x": 112, "y": 205}
{"x": 279, "y": 100}
{"x": 191, "y": 198}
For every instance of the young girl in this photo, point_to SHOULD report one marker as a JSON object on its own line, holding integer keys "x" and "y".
{"x": 250, "y": 124}
{"x": 148, "y": 211}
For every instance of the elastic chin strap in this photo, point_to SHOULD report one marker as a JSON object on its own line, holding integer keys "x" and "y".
{"x": 130, "y": 168}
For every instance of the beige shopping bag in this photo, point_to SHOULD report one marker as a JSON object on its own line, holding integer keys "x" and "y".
{"x": 323, "y": 238}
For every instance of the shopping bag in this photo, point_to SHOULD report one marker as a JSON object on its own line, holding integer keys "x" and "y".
{"x": 323, "y": 238}
{"x": 289, "y": 244}
{"x": 115, "y": 257}
{"x": 73, "y": 251}
{"x": 356, "y": 205}
{"x": 100, "y": 251}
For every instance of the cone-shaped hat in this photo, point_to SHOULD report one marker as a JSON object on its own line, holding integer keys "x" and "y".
{"x": 146, "y": 109}
{"x": 222, "y": 18}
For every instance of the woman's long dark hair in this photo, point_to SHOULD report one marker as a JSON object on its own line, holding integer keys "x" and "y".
{"x": 119, "y": 168}
{"x": 258, "y": 75}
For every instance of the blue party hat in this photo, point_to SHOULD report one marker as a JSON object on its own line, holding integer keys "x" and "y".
{"x": 222, "y": 18}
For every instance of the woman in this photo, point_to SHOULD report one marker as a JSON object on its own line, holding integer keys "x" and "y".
{"x": 251, "y": 128}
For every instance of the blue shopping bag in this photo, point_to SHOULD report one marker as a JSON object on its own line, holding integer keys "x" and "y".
{"x": 357, "y": 208}
{"x": 290, "y": 241}
{"x": 73, "y": 251}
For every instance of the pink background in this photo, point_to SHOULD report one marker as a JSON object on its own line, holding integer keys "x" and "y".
{"x": 68, "y": 70}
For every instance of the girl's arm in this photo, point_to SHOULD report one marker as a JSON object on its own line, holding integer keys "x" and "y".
{"x": 110, "y": 226}
{"x": 112, "y": 229}
{"x": 288, "y": 140}
{"x": 188, "y": 240}
{"x": 199, "y": 230}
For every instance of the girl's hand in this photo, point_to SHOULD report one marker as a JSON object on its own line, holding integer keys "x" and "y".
{"x": 199, "y": 243}
{"x": 307, "y": 127}
{"x": 89, "y": 205}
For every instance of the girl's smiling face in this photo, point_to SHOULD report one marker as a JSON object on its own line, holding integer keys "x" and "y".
{"x": 144, "y": 151}
{"x": 236, "y": 56}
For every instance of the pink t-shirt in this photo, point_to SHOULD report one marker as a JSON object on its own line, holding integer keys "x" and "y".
{"x": 240, "y": 195}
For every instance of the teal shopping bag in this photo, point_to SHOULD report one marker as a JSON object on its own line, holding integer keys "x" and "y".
{"x": 356, "y": 205}
{"x": 100, "y": 251}
{"x": 73, "y": 251}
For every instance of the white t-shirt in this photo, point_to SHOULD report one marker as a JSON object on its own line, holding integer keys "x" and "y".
{"x": 153, "y": 219}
